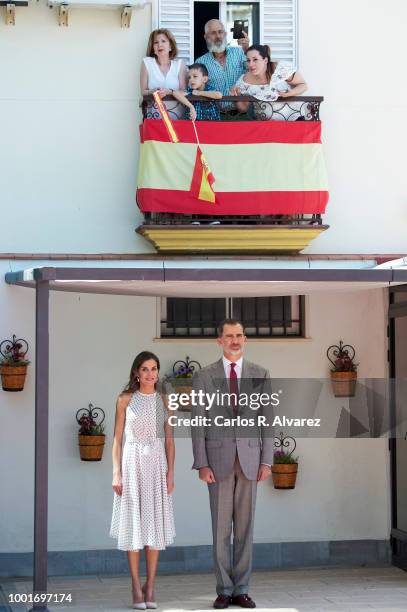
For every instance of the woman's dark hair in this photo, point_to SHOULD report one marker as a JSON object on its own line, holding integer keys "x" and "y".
{"x": 264, "y": 52}
{"x": 133, "y": 384}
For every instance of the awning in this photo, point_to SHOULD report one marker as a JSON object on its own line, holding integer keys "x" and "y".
{"x": 394, "y": 264}
{"x": 209, "y": 278}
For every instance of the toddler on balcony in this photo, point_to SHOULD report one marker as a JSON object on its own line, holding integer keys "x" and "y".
{"x": 198, "y": 86}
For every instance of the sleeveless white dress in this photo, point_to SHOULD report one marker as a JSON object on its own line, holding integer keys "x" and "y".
{"x": 143, "y": 514}
{"x": 158, "y": 80}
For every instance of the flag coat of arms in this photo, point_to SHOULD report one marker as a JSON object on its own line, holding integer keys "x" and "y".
{"x": 202, "y": 179}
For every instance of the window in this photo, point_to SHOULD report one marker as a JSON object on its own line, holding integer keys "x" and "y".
{"x": 271, "y": 21}
{"x": 243, "y": 10}
{"x": 263, "y": 317}
{"x": 227, "y": 12}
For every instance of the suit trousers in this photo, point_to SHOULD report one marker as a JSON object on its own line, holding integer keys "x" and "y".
{"x": 232, "y": 503}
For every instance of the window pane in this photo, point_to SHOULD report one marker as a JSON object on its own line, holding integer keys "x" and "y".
{"x": 192, "y": 316}
{"x": 277, "y": 310}
{"x": 179, "y": 311}
{"x": 263, "y": 315}
{"x": 269, "y": 316}
{"x": 242, "y": 10}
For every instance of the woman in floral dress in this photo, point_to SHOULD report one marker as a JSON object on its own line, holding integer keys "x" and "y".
{"x": 269, "y": 82}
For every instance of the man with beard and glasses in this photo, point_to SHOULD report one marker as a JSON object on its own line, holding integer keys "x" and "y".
{"x": 233, "y": 451}
{"x": 225, "y": 64}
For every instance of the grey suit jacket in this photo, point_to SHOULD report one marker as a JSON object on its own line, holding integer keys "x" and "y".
{"x": 215, "y": 445}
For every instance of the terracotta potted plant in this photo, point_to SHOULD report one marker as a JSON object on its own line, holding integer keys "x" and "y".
{"x": 13, "y": 364}
{"x": 91, "y": 437}
{"x": 343, "y": 370}
{"x": 285, "y": 465}
{"x": 180, "y": 380}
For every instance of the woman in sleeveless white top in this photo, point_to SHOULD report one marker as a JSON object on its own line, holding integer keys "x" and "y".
{"x": 162, "y": 71}
{"x": 158, "y": 80}
{"x": 269, "y": 83}
{"x": 143, "y": 480}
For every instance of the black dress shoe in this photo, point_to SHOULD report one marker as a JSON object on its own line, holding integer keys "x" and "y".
{"x": 221, "y": 602}
{"x": 244, "y": 601}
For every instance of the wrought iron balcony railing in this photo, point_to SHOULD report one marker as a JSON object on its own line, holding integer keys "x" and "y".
{"x": 172, "y": 219}
{"x": 297, "y": 108}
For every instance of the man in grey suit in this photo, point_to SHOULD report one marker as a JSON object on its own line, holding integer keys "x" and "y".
{"x": 232, "y": 455}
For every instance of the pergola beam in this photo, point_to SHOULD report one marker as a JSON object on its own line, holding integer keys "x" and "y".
{"x": 167, "y": 273}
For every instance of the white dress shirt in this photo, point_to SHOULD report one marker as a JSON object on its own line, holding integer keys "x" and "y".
{"x": 238, "y": 370}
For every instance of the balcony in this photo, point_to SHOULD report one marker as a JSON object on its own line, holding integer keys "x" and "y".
{"x": 270, "y": 181}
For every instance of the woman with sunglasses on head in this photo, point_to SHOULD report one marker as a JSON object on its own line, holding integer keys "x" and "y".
{"x": 143, "y": 476}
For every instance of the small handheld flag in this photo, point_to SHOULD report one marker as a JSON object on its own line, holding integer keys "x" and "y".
{"x": 202, "y": 177}
{"x": 166, "y": 118}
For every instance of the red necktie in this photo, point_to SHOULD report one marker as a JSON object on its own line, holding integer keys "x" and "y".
{"x": 233, "y": 387}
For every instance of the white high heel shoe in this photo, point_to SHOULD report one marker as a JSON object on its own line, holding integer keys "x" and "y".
{"x": 150, "y": 605}
{"x": 141, "y": 605}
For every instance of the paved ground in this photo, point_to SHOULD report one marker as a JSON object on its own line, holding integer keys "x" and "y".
{"x": 304, "y": 590}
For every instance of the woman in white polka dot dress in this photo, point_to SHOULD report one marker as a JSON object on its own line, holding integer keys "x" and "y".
{"x": 143, "y": 475}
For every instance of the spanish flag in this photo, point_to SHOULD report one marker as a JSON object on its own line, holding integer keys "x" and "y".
{"x": 202, "y": 179}
{"x": 261, "y": 168}
{"x": 166, "y": 118}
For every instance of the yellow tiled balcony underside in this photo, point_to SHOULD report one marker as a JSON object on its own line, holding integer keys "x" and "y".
{"x": 265, "y": 239}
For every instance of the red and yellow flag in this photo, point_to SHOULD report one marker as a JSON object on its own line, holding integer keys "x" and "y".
{"x": 262, "y": 168}
{"x": 166, "y": 118}
{"x": 202, "y": 179}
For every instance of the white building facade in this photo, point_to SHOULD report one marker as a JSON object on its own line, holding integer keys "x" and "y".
{"x": 70, "y": 104}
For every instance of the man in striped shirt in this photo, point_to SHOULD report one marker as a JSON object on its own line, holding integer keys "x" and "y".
{"x": 225, "y": 64}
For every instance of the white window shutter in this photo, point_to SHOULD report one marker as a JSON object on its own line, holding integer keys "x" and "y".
{"x": 175, "y": 15}
{"x": 280, "y": 29}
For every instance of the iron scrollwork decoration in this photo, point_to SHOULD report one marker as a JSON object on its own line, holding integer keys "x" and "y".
{"x": 16, "y": 348}
{"x": 298, "y": 107}
{"x": 341, "y": 355}
{"x": 285, "y": 111}
{"x": 284, "y": 442}
{"x": 181, "y": 367}
{"x": 174, "y": 108}
{"x": 92, "y": 413}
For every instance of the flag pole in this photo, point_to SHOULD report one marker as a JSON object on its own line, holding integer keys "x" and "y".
{"x": 196, "y": 134}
